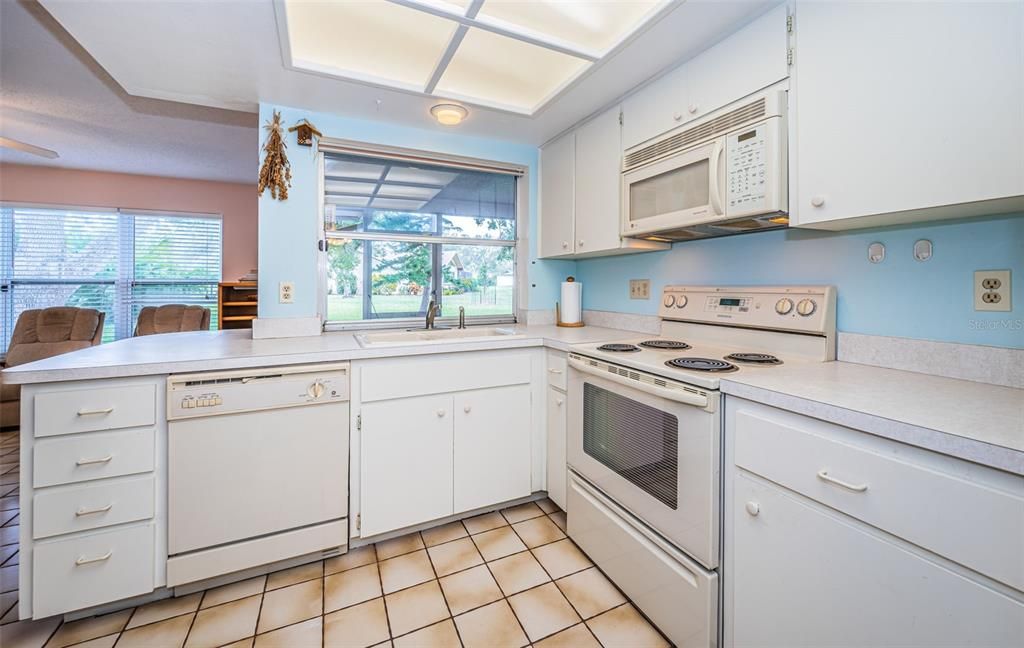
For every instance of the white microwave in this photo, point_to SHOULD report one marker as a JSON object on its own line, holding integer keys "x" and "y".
{"x": 724, "y": 175}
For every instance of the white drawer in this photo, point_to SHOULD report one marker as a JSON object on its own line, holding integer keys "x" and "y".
{"x": 90, "y": 506}
{"x": 82, "y": 571}
{"x": 676, "y": 593}
{"x": 443, "y": 373}
{"x": 92, "y": 456}
{"x": 913, "y": 494}
{"x": 101, "y": 408}
{"x": 556, "y": 369}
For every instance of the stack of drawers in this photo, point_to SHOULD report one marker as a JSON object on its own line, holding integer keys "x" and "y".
{"x": 93, "y": 495}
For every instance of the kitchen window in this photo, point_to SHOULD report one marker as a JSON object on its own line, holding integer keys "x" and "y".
{"x": 113, "y": 260}
{"x": 402, "y": 230}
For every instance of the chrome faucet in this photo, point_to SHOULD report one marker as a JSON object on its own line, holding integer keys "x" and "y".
{"x": 462, "y": 317}
{"x": 433, "y": 310}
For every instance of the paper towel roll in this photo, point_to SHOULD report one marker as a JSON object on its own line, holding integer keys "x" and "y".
{"x": 572, "y": 302}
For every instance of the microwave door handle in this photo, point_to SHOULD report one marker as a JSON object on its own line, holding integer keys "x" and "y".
{"x": 716, "y": 184}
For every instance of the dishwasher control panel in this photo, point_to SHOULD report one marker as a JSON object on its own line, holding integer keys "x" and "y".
{"x": 246, "y": 390}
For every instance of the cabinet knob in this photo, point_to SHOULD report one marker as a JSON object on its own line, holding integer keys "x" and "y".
{"x": 580, "y": 243}
{"x": 692, "y": 108}
{"x": 565, "y": 244}
{"x": 559, "y": 401}
{"x": 818, "y": 201}
{"x": 678, "y": 117}
{"x": 467, "y": 409}
{"x": 753, "y": 508}
{"x": 441, "y": 413}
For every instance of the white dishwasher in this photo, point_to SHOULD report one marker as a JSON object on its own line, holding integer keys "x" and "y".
{"x": 257, "y": 467}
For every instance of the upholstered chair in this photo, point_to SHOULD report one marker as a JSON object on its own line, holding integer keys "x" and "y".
{"x": 43, "y": 333}
{"x": 172, "y": 318}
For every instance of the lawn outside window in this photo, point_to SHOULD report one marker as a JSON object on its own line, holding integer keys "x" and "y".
{"x": 402, "y": 232}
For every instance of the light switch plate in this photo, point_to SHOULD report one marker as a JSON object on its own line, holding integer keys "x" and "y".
{"x": 639, "y": 288}
{"x": 286, "y": 292}
{"x": 992, "y": 290}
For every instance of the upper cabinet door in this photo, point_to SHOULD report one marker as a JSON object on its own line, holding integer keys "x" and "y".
{"x": 492, "y": 446}
{"x": 557, "y": 173}
{"x": 906, "y": 106}
{"x": 751, "y": 59}
{"x": 656, "y": 108}
{"x": 598, "y": 178}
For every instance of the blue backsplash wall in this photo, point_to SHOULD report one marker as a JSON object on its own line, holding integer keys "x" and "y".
{"x": 899, "y": 297}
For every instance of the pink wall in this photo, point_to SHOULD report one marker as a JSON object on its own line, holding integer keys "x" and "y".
{"x": 236, "y": 202}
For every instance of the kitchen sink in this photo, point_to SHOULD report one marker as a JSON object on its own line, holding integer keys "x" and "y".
{"x": 433, "y": 336}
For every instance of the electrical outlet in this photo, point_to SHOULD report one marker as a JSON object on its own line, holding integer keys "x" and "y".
{"x": 286, "y": 292}
{"x": 992, "y": 290}
{"x": 639, "y": 288}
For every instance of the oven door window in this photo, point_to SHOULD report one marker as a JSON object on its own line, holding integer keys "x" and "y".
{"x": 682, "y": 188}
{"x": 637, "y": 441}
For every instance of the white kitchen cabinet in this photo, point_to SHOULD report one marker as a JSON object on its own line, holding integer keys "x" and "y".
{"x": 557, "y": 174}
{"x": 492, "y": 446}
{"x": 556, "y": 428}
{"x": 906, "y": 111}
{"x": 752, "y": 58}
{"x": 657, "y": 107}
{"x": 580, "y": 181}
{"x": 804, "y": 575}
{"x": 406, "y": 462}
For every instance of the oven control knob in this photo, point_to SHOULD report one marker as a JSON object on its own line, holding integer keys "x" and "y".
{"x": 680, "y": 301}
{"x": 669, "y": 301}
{"x": 316, "y": 390}
{"x": 806, "y": 307}
{"x": 783, "y": 306}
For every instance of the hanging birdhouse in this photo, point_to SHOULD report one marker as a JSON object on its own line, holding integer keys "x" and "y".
{"x": 305, "y": 132}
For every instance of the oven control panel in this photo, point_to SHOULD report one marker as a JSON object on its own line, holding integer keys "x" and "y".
{"x": 804, "y": 309}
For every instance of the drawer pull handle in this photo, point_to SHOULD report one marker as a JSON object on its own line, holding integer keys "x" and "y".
{"x": 81, "y": 512}
{"x": 555, "y": 371}
{"x": 86, "y": 462}
{"x": 95, "y": 412}
{"x": 856, "y": 488}
{"x": 86, "y": 561}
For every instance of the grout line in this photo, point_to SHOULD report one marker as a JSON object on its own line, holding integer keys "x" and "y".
{"x": 437, "y": 579}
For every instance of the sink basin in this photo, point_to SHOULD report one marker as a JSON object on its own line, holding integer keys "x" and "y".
{"x": 423, "y": 336}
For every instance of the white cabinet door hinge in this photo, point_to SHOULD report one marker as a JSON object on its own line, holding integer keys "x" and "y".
{"x": 359, "y": 422}
{"x": 789, "y": 24}
{"x": 620, "y": 118}
{"x": 789, "y": 56}
{"x": 359, "y": 521}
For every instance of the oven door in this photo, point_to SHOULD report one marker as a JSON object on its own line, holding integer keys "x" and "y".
{"x": 650, "y": 452}
{"x": 681, "y": 190}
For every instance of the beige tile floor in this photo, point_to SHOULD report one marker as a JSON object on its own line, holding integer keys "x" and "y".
{"x": 507, "y": 578}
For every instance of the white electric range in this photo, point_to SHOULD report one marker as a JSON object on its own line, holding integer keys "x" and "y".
{"x": 644, "y": 439}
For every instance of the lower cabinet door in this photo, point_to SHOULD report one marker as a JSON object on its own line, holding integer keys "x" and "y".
{"x": 406, "y": 462}
{"x": 492, "y": 446}
{"x": 556, "y": 468}
{"x": 802, "y": 576}
{"x": 81, "y": 571}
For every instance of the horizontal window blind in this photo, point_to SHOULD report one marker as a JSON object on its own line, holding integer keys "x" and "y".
{"x": 110, "y": 260}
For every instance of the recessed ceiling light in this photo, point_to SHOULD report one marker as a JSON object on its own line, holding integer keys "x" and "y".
{"x": 449, "y": 114}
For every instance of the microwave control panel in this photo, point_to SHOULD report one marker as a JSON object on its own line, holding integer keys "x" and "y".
{"x": 747, "y": 169}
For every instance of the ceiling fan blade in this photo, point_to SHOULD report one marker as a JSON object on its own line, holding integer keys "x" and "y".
{"x": 7, "y": 142}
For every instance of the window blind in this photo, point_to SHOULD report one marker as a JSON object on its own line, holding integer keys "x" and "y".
{"x": 110, "y": 260}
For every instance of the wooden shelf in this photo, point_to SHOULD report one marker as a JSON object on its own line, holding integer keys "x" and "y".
{"x": 234, "y": 308}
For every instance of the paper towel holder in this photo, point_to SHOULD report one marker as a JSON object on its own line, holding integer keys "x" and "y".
{"x": 558, "y": 315}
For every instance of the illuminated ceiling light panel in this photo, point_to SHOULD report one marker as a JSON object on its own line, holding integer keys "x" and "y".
{"x": 403, "y": 191}
{"x": 348, "y": 187}
{"x": 511, "y": 55}
{"x": 378, "y": 42}
{"x": 510, "y": 73}
{"x": 592, "y": 25}
{"x": 420, "y": 176}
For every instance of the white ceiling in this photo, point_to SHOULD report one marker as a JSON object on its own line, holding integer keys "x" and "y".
{"x": 52, "y": 94}
{"x": 229, "y": 55}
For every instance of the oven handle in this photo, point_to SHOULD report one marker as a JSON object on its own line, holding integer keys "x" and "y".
{"x": 697, "y": 400}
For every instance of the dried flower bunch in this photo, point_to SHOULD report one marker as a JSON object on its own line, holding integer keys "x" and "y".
{"x": 276, "y": 172}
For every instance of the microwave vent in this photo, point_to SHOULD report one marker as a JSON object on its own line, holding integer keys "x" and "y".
{"x": 707, "y": 130}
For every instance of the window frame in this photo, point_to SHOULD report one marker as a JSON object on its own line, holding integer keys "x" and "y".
{"x": 124, "y": 281}
{"x": 398, "y": 154}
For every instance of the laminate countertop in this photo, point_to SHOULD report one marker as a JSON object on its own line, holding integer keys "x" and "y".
{"x": 221, "y": 350}
{"x": 974, "y": 421}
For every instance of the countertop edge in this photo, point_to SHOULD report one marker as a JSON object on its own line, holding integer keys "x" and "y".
{"x": 961, "y": 447}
